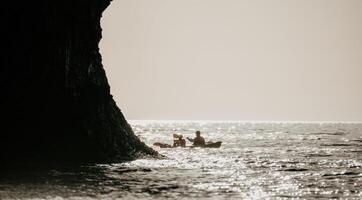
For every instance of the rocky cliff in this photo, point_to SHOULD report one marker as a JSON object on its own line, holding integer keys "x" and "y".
{"x": 55, "y": 98}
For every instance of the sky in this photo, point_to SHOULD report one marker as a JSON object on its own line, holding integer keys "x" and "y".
{"x": 278, "y": 60}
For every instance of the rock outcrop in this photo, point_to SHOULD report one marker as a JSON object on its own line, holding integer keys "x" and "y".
{"x": 55, "y": 98}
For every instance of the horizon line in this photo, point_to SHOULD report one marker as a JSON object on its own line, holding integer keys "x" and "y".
{"x": 244, "y": 121}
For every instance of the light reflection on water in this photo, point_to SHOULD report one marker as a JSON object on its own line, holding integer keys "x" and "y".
{"x": 255, "y": 161}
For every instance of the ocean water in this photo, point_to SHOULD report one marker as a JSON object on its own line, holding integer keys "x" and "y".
{"x": 256, "y": 161}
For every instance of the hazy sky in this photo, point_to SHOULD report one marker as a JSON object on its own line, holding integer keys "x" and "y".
{"x": 235, "y": 59}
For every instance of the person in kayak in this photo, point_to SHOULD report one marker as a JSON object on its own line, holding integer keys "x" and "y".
{"x": 180, "y": 142}
{"x": 198, "y": 140}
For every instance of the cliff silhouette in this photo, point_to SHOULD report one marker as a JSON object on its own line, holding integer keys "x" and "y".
{"x": 55, "y": 98}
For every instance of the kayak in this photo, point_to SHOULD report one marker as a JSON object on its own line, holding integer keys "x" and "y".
{"x": 207, "y": 145}
{"x": 213, "y": 145}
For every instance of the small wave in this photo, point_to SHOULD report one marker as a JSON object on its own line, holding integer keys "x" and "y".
{"x": 317, "y": 155}
{"x": 342, "y": 174}
{"x": 355, "y": 166}
{"x": 294, "y": 170}
{"x": 330, "y": 133}
{"x": 290, "y": 162}
{"x": 127, "y": 170}
{"x": 338, "y": 145}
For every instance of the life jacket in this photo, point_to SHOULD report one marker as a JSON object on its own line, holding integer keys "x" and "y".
{"x": 177, "y": 143}
{"x": 199, "y": 141}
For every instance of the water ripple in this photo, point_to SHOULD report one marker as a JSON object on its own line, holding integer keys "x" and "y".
{"x": 255, "y": 161}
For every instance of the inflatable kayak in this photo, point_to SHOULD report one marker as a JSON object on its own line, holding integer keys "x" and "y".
{"x": 207, "y": 145}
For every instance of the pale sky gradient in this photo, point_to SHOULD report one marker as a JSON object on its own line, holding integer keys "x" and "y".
{"x": 235, "y": 59}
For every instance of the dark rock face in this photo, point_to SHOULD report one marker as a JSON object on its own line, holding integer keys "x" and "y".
{"x": 55, "y": 98}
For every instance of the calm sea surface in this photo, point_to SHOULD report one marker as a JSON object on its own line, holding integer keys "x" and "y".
{"x": 255, "y": 161}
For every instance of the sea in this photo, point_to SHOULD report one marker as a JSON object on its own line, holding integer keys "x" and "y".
{"x": 257, "y": 160}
